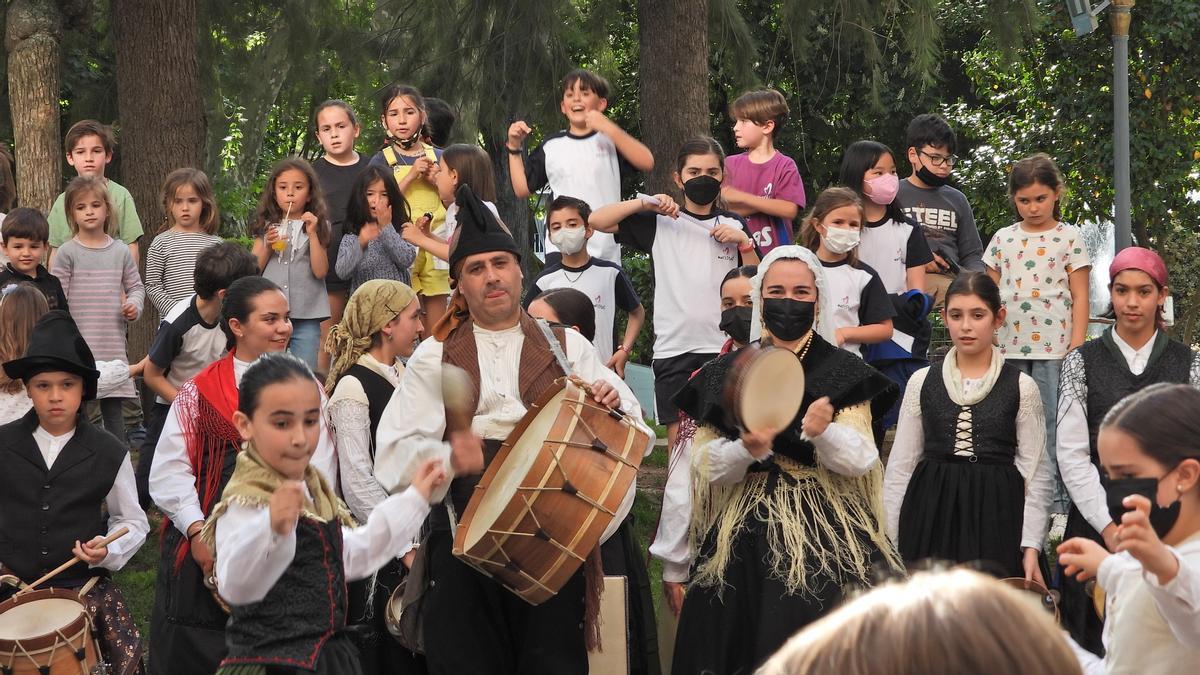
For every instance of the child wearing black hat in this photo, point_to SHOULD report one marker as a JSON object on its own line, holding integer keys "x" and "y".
{"x": 61, "y": 475}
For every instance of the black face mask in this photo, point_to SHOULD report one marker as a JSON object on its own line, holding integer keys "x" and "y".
{"x": 1162, "y": 518}
{"x": 702, "y": 190}
{"x": 735, "y": 322}
{"x": 788, "y": 319}
{"x": 930, "y": 178}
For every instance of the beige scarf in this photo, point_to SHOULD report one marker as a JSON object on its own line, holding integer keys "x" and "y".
{"x": 372, "y": 306}
{"x": 954, "y": 379}
{"x": 254, "y": 481}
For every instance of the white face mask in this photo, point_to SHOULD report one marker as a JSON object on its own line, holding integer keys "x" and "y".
{"x": 840, "y": 240}
{"x": 569, "y": 240}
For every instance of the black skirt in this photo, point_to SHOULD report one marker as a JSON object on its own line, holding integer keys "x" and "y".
{"x": 734, "y": 632}
{"x": 187, "y": 626}
{"x": 381, "y": 653}
{"x": 961, "y": 511}
{"x": 1078, "y": 611}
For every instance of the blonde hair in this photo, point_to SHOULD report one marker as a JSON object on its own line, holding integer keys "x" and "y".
{"x": 20, "y": 309}
{"x": 82, "y": 186}
{"x": 209, "y": 220}
{"x": 830, "y": 200}
{"x": 955, "y": 621}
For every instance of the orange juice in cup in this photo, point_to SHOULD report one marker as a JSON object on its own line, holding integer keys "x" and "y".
{"x": 281, "y": 238}
{"x": 282, "y": 229}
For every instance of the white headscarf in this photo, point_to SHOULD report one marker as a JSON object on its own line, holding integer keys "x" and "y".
{"x": 824, "y": 319}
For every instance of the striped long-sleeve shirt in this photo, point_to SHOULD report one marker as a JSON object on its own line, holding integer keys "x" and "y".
{"x": 171, "y": 266}
{"x": 98, "y": 282}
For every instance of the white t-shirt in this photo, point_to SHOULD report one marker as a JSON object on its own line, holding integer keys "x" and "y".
{"x": 185, "y": 344}
{"x": 859, "y": 298}
{"x": 585, "y": 167}
{"x": 605, "y": 283}
{"x": 891, "y": 247}
{"x": 688, "y": 268}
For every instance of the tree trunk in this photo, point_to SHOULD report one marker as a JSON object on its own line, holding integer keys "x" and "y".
{"x": 162, "y": 113}
{"x": 673, "y": 78}
{"x": 32, "y": 38}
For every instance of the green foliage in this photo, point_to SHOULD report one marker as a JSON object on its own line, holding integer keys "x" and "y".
{"x": 637, "y": 265}
{"x": 1056, "y": 97}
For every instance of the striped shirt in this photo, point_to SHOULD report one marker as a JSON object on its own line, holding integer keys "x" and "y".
{"x": 98, "y": 281}
{"x": 171, "y": 266}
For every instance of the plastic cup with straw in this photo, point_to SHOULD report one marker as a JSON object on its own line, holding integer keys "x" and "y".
{"x": 281, "y": 232}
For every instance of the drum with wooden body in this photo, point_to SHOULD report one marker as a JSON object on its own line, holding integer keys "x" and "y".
{"x": 765, "y": 388}
{"x": 46, "y": 631}
{"x": 551, "y": 491}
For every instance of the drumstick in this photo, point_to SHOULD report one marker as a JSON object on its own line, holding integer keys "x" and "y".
{"x": 63, "y": 567}
{"x": 457, "y": 389}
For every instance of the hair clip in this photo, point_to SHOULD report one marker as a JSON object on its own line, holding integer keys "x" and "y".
{"x": 8, "y": 289}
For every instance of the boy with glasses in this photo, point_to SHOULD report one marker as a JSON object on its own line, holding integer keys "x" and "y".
{"x": 942, "y": 210}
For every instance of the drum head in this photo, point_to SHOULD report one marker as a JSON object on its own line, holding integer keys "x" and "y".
{"x": 38, "y": 618}
{"x": 514, "y": 470}
{"x": 771, "y": 390}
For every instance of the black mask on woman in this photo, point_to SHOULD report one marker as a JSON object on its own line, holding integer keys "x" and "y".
{"x": 735, "y": 322}
{"x": 1162, "y": 518}
{"x": 788, "y": 319}
{"x": 702, "y": 190}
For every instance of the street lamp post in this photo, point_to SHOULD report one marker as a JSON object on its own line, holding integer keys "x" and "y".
{"x": 1120, "y": 18}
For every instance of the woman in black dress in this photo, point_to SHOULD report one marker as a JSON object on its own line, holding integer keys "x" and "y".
{"x": 783, "y": 523}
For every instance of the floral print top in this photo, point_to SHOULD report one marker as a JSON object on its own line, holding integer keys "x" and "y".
{"x": 1034, "y": 269}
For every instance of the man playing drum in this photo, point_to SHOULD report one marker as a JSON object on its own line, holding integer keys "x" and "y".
{"x": 471, "y": 623}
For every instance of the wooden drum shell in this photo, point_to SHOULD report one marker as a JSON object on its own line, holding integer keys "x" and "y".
{"x": 540, "y": 533}
{"x": 49, "y": 649}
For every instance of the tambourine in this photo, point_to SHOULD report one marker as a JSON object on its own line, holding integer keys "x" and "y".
{"x": 765, "y": 388}
{"x": 1046, "y": 598}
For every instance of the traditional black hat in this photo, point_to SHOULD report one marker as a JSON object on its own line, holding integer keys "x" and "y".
{"x": 56, "y": 345}
{"x": 479, "y": 231}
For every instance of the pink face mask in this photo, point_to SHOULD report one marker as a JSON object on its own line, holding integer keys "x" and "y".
{"x": 883, "y": 188}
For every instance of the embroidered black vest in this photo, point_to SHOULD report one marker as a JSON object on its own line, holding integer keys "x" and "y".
{"x": 1108, "y": 379}
{"x": 302, "y": 610}
{"x": 992, "y": 425}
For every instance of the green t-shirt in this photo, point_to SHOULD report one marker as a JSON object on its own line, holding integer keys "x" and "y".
{"x": 129, "y": 225}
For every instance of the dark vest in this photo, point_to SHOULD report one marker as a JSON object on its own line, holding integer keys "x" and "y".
{"x": 993, "y": 430}
{"x": 301, "y": 611}
{"x": 538, "y": 368}
{"x": 378, "y": 390}
{"x": 44, "y": 511}
{"x": 537, "y": 371}
{"x": 1108, "y": 379}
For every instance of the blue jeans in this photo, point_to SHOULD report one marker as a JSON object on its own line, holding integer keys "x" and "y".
{"x": 306, "y": 338}
{"x": 1045, "y": 372}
